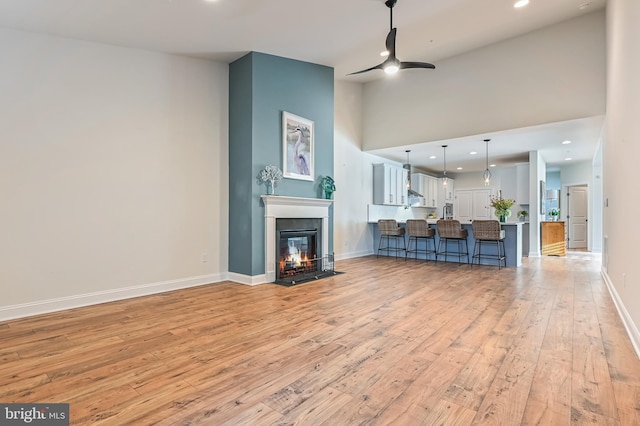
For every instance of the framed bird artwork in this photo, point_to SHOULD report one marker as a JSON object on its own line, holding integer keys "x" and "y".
{"x": 297, "y": 147}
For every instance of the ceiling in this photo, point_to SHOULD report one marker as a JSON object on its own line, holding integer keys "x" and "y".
{"x": 346, "y": 35}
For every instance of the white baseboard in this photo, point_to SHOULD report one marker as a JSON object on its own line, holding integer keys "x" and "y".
{"x": 80, "y": 300}
{"x": 353, "y": 254}
{"x": 631, "y": 328}
{"x": 247, "y": 279}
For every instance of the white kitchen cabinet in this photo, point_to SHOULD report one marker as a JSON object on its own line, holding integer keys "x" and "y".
{"x": 445, "y": 194}
{"x": 450, "y": 191}
{"x": 472, "y": 204}
{"x": 431, "y": 196}
{"x": 417, "y": 184}
{"x": 427, "y": 186}
{"x": 389, "y": 185}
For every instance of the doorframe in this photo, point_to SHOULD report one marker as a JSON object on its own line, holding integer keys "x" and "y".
{"x": 564, "y": 206}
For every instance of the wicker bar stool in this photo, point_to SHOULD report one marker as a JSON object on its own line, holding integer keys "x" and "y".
{"x": 489, "y": 232}
{"x": 451, "y": 230}
{"x": 418, "y": 229}
{"x": 389, "y": 230}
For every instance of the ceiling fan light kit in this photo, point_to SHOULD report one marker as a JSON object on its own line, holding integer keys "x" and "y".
{"x": 392, "y": 64}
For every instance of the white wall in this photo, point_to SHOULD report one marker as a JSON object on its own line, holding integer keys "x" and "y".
{"x": 353, "y": 175}
{"x": 621, "y": 151}
{"x": 113, "y": 172}
{"x": 533, "y": 79}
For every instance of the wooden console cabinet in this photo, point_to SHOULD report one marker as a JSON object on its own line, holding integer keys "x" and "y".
{"x": 553, "y": 239}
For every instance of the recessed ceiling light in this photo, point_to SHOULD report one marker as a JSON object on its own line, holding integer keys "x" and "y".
{"x": 492, "y": 165}
{"x": 433, "y": 157}
{"x": 459, "y": 168}
{"x": 472, "y": 153}
{"x": 568, "y": 159}
{"x": 520, "y": 3}
{"x": 566, "y": 142}
{"x": 585, "y": 5}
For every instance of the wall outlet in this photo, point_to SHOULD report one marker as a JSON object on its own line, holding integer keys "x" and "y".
{"x": 205, "y": 257}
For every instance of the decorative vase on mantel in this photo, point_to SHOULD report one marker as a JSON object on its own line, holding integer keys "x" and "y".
{"x": 328, "y": 194}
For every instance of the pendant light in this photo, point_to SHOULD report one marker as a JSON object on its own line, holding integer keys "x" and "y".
{"x": 486, "y": 176}
{"x": 408, "y": 168}
{"x": 445, "y": 179}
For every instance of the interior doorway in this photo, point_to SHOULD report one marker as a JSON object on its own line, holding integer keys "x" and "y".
{"x": 578, "y": 216}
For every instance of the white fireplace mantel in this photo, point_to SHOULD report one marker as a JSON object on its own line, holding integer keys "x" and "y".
{"x": 276, "y": 207}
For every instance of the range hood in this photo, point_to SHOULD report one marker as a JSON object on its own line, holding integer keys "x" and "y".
{"x": 411, "y": 192}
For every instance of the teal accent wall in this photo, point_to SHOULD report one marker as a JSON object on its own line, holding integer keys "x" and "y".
{"x": 261, "y": 87}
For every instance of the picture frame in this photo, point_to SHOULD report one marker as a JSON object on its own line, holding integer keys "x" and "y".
{"x": 297, "y": 147}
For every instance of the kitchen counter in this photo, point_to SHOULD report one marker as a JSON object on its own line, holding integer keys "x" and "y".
{"x": 512, "y": 241}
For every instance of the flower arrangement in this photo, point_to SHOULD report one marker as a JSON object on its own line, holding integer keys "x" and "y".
{"x": 554, "y": 212}
{"x": 502, "y": 206}
{"x": 272, "y": 175}
{"x": 328, "y": 185}
{"x": 523, "y": 214}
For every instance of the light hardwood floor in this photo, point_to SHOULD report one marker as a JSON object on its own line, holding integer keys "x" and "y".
{"x": 388, "y": 342}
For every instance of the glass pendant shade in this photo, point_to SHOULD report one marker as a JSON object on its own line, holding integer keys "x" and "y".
{"x": 486, "y": 176}
{"x": 445, "y": 179}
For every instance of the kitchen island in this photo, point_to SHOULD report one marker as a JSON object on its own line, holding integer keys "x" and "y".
{"x": 512, "y": 243}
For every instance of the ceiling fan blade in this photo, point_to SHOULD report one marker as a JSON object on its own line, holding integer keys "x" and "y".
{"x": 405, "y": 65}
{"x": 377, "y": 67}
{"x": 390, "y": 43}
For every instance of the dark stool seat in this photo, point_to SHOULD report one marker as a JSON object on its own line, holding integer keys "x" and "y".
{"x": 390, "y": 231}
{"x": 418, "y": 229}
{"x": 451, "y": 230}
{"x": 489, "y": 232}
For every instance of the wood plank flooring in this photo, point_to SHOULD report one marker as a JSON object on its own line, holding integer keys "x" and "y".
{"x": 388, "y": 342}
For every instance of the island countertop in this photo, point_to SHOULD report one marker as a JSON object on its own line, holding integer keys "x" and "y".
{"x": 513, "y": 239}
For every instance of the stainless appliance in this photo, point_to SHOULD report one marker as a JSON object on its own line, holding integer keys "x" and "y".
{"x": 447, "y": 211}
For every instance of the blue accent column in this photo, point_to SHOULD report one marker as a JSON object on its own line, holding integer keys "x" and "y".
{"x": 261, "y": 87}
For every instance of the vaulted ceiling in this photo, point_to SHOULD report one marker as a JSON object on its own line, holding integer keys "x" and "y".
{"x": 346, "y": 35}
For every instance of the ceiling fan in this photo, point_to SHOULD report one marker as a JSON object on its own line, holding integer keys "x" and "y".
{"x": 391, "y": 65}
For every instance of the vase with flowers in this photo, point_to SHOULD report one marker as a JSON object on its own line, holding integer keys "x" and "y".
{"x": 502, "y": 207}
{"x": 554, "y": 213}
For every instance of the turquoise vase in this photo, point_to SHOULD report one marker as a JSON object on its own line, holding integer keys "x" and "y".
{"x": 503, "y": 218}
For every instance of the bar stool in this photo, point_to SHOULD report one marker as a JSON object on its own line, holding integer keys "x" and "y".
{"x": 451, "y": 230}
{"x": 389, "y": 230}
{"x": 418, "y": 229}
{"x": 488, "y": 232}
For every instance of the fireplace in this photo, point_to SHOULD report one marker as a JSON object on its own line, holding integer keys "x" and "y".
{"x": 303, "y": 224}
{"x": 299, "y": 247}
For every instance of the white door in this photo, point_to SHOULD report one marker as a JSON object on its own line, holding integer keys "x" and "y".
{"x": 578, "y": 200}
{"x": 482, "y": 204}
{"x": 463, "y": 206}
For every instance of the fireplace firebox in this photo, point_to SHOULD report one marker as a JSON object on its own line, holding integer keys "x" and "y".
{"x": 299, "y": 251}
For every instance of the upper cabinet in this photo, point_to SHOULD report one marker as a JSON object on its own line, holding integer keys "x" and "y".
{"x": 389, "y": 185}
{"x": 428, "y": 187}
{"x": 445, "y": 193}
